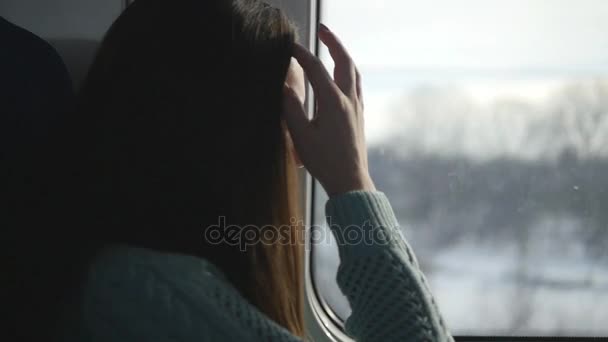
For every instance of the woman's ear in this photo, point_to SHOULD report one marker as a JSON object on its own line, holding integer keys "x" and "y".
{"x": 296, "y": 80}
{"x": 292, "y": 149}
{"x": 296, "y": 157}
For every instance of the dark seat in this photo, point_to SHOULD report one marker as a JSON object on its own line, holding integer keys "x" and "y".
{"x": 35, "y": 89}
{"x": 35, "y": 95}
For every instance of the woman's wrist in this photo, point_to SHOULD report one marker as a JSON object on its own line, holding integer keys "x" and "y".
{"x": 362, "y": 182}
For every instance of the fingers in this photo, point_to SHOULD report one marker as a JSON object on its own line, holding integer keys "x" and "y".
{"x": 295, "y": 115}
{"x": 320, "y": 79}
{"x": 345, "y": 71}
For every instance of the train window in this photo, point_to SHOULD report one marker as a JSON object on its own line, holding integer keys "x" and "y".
{"x": 487, "y": 124}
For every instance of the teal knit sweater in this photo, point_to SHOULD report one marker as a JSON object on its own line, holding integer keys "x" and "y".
{"x": 134, "y": 294}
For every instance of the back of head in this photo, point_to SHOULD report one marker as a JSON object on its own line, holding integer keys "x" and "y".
{"x": 179, "y": 124}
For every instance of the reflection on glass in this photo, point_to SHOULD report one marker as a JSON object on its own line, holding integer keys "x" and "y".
{"x": 488, "y": 130}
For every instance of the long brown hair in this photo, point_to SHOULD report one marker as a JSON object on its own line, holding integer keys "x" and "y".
{"x": 178, "y": 128}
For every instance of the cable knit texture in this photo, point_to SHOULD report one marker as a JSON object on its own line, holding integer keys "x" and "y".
{"x": 134, "y": 294}
{"x": 379, "y": 273}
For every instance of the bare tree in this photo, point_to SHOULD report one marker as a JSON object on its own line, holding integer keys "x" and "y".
{"x": 582, "y": 109}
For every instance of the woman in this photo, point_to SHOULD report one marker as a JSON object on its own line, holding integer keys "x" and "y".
{"x": 181, "y": 136}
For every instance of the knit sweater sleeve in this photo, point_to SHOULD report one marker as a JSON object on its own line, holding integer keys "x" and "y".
{"x": 379, "y": 273}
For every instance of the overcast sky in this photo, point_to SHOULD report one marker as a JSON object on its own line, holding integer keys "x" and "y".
{"x": 473, "y": 33}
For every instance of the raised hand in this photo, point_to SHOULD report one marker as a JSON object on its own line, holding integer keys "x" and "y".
{"x": 331, "y": 145}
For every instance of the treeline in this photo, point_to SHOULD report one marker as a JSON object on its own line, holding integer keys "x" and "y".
{"x": 498, "y": 198}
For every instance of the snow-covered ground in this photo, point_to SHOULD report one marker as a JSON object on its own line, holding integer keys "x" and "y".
{"x": 550, "y": 288}
{"x": 483, "y": 291}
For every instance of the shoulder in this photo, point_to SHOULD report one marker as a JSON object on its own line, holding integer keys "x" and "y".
{"x": 139, "y": 293}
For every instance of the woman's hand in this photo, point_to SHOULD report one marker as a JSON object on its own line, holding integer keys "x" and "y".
{"x": 331, "y": 145}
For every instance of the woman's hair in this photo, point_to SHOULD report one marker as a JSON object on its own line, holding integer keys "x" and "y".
{"x": 178, "y": 131}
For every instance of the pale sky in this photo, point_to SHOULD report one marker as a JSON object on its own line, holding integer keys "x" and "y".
{"x": 472, "y": 33}
{"x": 491, "y": 50}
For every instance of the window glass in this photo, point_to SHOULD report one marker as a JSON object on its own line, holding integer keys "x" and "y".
{"x": 487, "y": 124}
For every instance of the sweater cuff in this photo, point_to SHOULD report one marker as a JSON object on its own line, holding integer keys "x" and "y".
{"x": 358, "y": 207}
{"x": 362, "y": 222}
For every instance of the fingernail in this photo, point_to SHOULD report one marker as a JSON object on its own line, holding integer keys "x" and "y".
{"x": 323, "y": 27}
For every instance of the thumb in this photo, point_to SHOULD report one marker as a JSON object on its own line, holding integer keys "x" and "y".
{"x": 295, "y": 115}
